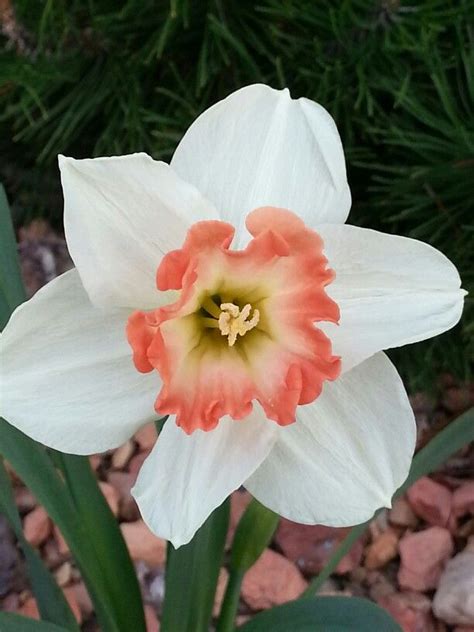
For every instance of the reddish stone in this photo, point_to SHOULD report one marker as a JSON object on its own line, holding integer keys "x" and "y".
{"x": 454, "y": 598}
{"x": 63, "y": 547}
{"x": 411, "y": 611}
{"x": 123, "y": 483}
{"x": 310, "y": 547}
{"x": 136, "y": 463}
{"x": 220, "y": 591}
{"x": 24, "y": 500}
{"x": 402, "y": 515}
{"x": 271, "y": 581}
{"x": 146, "y": 437}
{"x": 37, "y": 526}
{"x": 463, "y": 500}
{"x": 430, "y": 501}
{"x": 382, "y": 550}
{"x": 122, "y": 455}
{"x": 10, "y": 603}
{"x": 457, "y": 399}
{"x": 63, "y": 574}
{"x": 423, "y": 556}
{"x": 83, "y": 599}
{"x": 95, "y": 461}
{"x": 143, "y": 545}
{"x": 151, "y": 619}
{"x": 70, "y": 595}
{"x": 111, "y": 496}
{"x": 29, "y": 609}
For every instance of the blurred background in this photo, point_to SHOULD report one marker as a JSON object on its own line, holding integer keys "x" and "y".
{"x": 104, "y": 77}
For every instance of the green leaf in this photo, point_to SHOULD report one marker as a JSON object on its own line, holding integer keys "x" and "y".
{"x": 191, "y": 576}
{"x": 106, "y": 540}
{"x": 51, "y": 602}
{"x": 36, "y": 470}
{"x": 459, "y": 433}
{"x": 10, "y": 277}
{"x": 324, "y": 614}
{"x": 10, "y": 622}
{"x": 252, "y": 536}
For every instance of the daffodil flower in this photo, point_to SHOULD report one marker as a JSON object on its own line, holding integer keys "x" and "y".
{"x": 225, "y": 291}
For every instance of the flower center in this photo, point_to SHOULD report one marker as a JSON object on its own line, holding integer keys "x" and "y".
{"x": 233, "y": 321}
{"x": 229, "y": 318}
{"x": 245, "y": 325}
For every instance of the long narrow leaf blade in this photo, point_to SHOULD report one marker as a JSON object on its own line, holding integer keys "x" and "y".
{"x": 52, "y": 604}
{"x": 10, "y": 622}
{"x": 36, "y": 470}
{"x": 324, "y": 614}
{"x": 191, "y": 576}
{"x": 10, "y": 278}
{"x": 106, "y": 540}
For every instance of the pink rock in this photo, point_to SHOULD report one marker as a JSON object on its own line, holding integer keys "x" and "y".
{"x": 151, "y": 619}
{"x": 310, "y": 546}
{"x": 111, "y": 496}
{"x": 457, "y": 399}
{"x": 83, "y": 599}
{"x": 454, "y": 598}
{"x": 143, "y": 545}
{"x": 63, "y": 547}
{"x": 10, "y": 603}
{"x": 430, "y": 501}
{"x": 402, "y": 515}
{"x": 146, "y": 437}
{"x": 411, "y": 611}
{"x": 423, "y": 556}
{"x": 123, "y": 483}
{"x": 271, "y": 581}
{"x": 24, "y": 500}
{"x": 136, "y": 463}
{"x": 95, "y": 460}
{"x": 122, "y": 455}
{"x": 37, "y": 526}
{"x": 70, "y": 595}
{"x": 463, "y": 499}
{"x": 29, "y": 609}
{"x": 383, "y": 549}
{"x": 220, "y": 591}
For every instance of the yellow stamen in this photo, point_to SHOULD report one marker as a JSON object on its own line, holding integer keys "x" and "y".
{"x": 233, "y": 321}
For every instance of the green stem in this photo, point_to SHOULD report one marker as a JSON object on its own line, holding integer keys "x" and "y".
{"x": 253, "y": 534}
{"x": 231, "y": 602}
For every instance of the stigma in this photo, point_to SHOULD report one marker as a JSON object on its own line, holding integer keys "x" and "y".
{"x": 234, "y": 321}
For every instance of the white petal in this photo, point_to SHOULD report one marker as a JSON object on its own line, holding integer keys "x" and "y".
{"x": 346, "y": 454}
{"x": 259, "y": 147}
{"x": 121, "y": 215}
{"x": 187, "y": 476}
{"x": 67, "y": 376}
{"x": 391, "y": 291}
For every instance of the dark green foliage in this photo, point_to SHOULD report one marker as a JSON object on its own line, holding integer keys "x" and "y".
{"x": 104, "y": 77}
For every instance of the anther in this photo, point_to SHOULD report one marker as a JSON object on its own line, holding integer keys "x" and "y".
{"x": 233, "y": 321}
